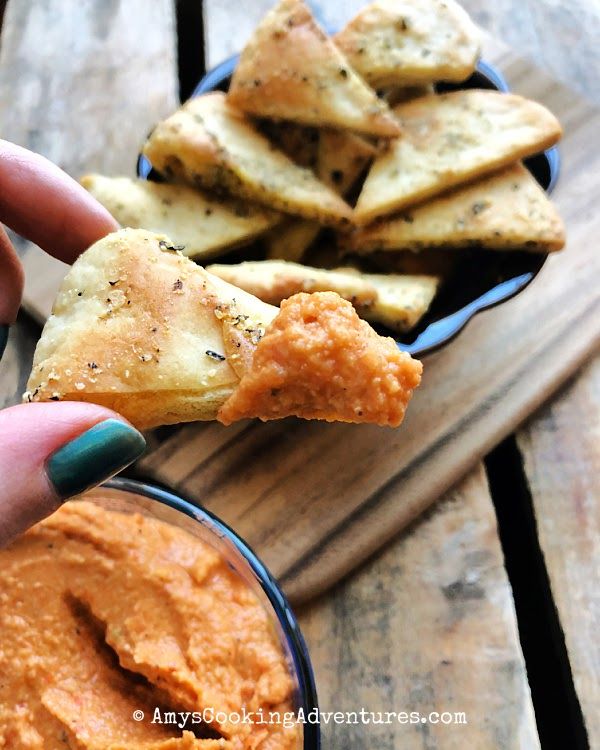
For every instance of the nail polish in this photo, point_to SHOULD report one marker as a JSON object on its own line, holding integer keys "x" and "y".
{"x": 94, "y": 456}
{"x": 3, "y": 339}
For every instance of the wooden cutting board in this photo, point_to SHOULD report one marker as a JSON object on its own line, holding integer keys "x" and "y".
{"x": 316, "y": 500}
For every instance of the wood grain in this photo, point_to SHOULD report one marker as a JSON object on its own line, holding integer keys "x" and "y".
{"x": 562, "y": 464}
{"x": 82, "y": 84}
{"x": 428, "y": 626}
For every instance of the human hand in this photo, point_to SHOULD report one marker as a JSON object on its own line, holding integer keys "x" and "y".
{"x": 52, "y": 451}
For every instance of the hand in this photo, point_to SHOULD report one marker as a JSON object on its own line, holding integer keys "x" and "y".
{"x": 49, "y": 452}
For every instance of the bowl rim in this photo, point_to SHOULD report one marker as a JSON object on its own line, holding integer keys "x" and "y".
{"x": 308, "y": 700}
{"x": 442, "y": 331}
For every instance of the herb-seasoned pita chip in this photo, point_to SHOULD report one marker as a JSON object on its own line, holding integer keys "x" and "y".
{"x": 209, "y": 143}
{"x": 141, "y": 329}
{"x": 201, "y": 224}
{"x": 291, "y": 70}
{"x": 451, "y": 139}
{"x": 401, "y": 301}
{"x": 275, "y": 280}
{"x": 341, "y": 158}
{"x": 505, "y": 211}
{"x": 397, "y": 301}
{"x": 408, "y": 42}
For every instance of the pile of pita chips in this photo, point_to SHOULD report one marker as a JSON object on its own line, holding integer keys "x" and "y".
{"x": 337, "y": 153}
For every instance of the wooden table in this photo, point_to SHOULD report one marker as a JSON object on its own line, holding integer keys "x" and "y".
{"x": 455, "y": 615}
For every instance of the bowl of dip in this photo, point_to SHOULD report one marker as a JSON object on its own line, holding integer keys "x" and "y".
{"x": 132, "y": 618}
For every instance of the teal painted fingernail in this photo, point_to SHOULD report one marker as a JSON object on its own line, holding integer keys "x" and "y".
{"x": 3, "y": 339}
{"x": 91, "y": 458}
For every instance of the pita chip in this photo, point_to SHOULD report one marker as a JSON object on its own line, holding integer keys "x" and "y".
{"x": 203, "y": 225}
{"x": 142, "y": 329}
{"x": 291, "y": 70}
{"x": 275, "y": 280}
{"x": 506, "y": 211}
{"x": 411, "y": 42}
{"x": 452, "y": 139}
{"x": 210, "y": 144}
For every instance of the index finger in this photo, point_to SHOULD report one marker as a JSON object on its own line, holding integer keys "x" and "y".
{"x": 42, "y": 203}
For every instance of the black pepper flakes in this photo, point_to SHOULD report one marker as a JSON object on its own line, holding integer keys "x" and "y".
{"x": 164, "y": 245}
{"x": 178, "y": 285}
{"x": 343, "y": 72}
{"x": 215, "y": 355}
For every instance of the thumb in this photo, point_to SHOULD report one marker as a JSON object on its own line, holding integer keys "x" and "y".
{"x": 50, "y": 452}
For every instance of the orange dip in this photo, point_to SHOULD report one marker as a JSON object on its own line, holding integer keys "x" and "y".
{"x": 103, "y": 614}
{"x": 319, "y": 360}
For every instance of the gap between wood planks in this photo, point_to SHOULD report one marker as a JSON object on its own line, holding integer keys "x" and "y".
{"x": 558, "y": 712}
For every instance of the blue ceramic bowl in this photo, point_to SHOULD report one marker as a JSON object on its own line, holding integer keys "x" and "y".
{"x": 129, "y": 496}
{"x": 481, "y": 280}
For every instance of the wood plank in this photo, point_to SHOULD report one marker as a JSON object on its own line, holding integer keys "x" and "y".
{"x": 360, "y": 485}
{"x": 427, "y": 626}
{"x": 562, "y": 464}
{"x": 82, "y": 85}
{"x": 561, "y": 444}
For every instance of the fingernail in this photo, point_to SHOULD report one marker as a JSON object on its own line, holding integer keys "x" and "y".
{"x": 91, "y": 458}
{"x": 3, "y": 339}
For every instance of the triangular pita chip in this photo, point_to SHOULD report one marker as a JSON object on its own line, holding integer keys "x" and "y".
{"x": 276, "y": 280}
{"x": 141, "y": 329}
{"x": 451, "y": 139}
{"x": 291, "y": 70}
{"x": 408, "y": 42}
{"x": 397, "y": 301}
{"x": 505, "y": 211}
{"x": 209, "y": 143}
{"x": 341, "y": 158}
{"x": 201, "y": 224}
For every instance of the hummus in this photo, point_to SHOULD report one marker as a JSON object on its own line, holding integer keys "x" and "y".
{"x": 104, "y": 614}
{"x": 319, "y": 360}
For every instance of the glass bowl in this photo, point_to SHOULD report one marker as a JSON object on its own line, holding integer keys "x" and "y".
{"x": 130, "y": 496}
{"x": 481, "y": 280}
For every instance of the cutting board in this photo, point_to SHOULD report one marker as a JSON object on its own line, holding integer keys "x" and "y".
{"x": 315, "y": 500}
